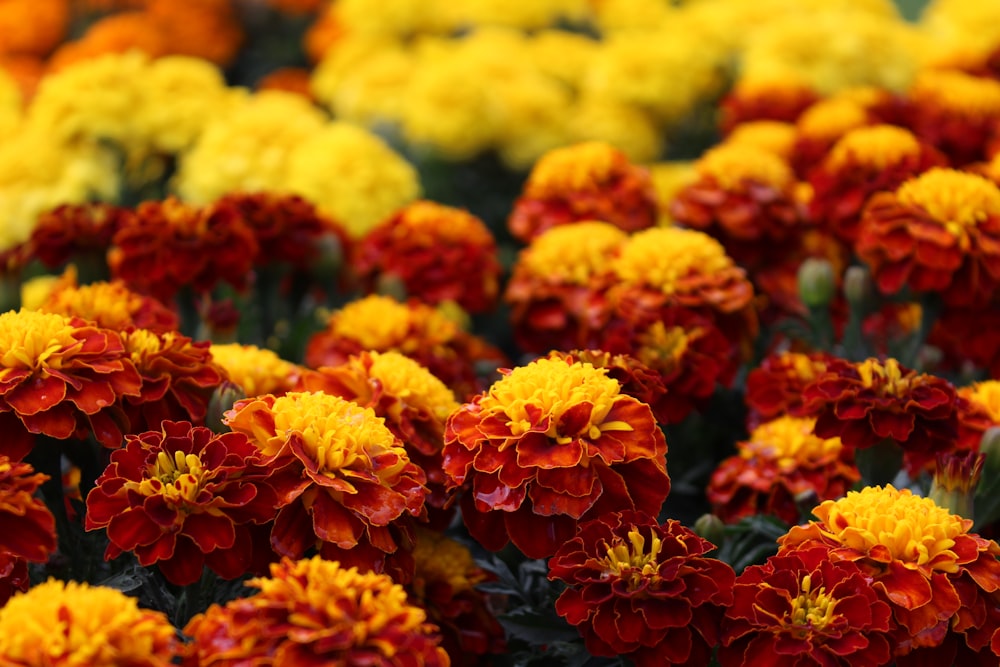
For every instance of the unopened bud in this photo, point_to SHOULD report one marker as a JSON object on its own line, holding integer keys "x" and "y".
{"x": 816, "y": 282}
{"x": 389, "y": 284}
{"x": 955, "y": 480}
{"x": 858, "y": 287}
{"x": 223, "y": 398}
{"x": 329, "y": 259}
{"x": 711, "y": 528}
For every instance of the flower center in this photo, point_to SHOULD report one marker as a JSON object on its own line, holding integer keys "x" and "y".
{"x": 382, "y": 323}
{"x": 733, "y": 165}
{"x": 915, "y": 530}
{"x": 429, "y": 223}
{"x": 632, "y": 562}
{"x": 582, "y": 167}
{"x": 955, "y": 200}
{"x": 142, "y": 343}
{"x": 805, "y": 368}
{"x": 412, "y": 384}
{"x": 110, "y": 304}
{"x": 879, "y": 146}
{"x": 790, "y": 442}
{"x": 29, "y": 339}
{"x": 663, "y": 348}
{"x": 179, "y": 478}
{"x": 573, "y": 253}
{"x": 439, "y": 558}
{"x": 957, "y": 91}
{"x": 662, "y": 256}
{"x": 811, "y": 610}
{"x": 887, "y": 378}
{"x": 830, "y": 119}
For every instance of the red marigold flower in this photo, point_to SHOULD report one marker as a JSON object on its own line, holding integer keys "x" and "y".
{"x": 27, "y": 527}
{"x": 413, "y": 403}
{"x": 755, "y": 99}
{"x": 170, "y": 244}
{"x": 636, "y": 378}
{"x": 780, "y": 460}
{"x": 978, "y": 409}
{"x": 967, "y": 337}
{"x": 111, "y": 305}
{"x": 549, "y": 445}
{"x": 955, "y": 112}
{"x": 775, "y": 387}
{"x": 643, "y": 590}
{"x": 182, "y": 498}
{"x": 256, "y": 370}
{"x": 423, "y": 333}
{"x": 346, "y": 484}
{"x": 75, "y": 231}
{"x": 178, "y": 378}
{"x": 62, "y": 624}
{"x": 823, "y": 124}
{"x": 444, "y": 585}
{"x": 14, "y": 576}
{"x": 316, "y": 612}
{"x": 61, "y": 377}
{"x": 801, "y": 608}
{"x": 438, "y": 253}
{"x": 587, "y": 181}
{"x": 918, "y": 557}
{"x": 864, "y": 161}
{"x": 557, "y": 287}
{"x": 866, "y": 402}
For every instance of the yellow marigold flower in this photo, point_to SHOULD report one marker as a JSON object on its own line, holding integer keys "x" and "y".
{"x": 978, "y": 410}
{"x": 880, "y": 146}
{"x": 954, "y": 199}
{"x": 354, "y": 53}
{"x": 669, "y": 178}
{"x": 371, "y": 92}
{"x": 381, "y": 323}
{"x": 959, "y": 34}
{"x": 790, "y": 441}
{"x": 735, "y": 166}
{"x": 662, "y": 258}
{"x": 830, "y": 119}
{"x": 256, "y": 370}
{"x": 612, "y": 16}
{"x": 317, "y": 612}
{"x": 404, "y": 378}
{"x": 574, "y": 253}
{"x": 351, "y": 175}
{"x": 565, "y": 56}
{"x": 110, "y": 305}
{"x": 774, "y": 136}
{"x": 525, "y": 15}
{"x": 76, "y": 625}
{"x": 11, "y": 104}
{"x": 627, "y": 127}
{"x": 955, "y": 112}
{"x": 532, "y": 111}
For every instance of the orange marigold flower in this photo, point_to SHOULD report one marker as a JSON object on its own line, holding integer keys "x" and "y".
{"x": 170, "y": 244}
{"x": 316, "y": 612}
{"x": 764, "y": 99}
{"x": 938, "y": 232}
{"x": 421, "y": 332}
{"x": 75, "y": 232}
{"x": 587, "y": 181}
{"x": 557, "y": 287}
{"x": 208, "y": 29}
{"x": 438, "y": 253}
{"x": 978, "y": 409}
{"x": 549, "y": 445}
{"x": 178, "y": 378}
{"x": 69, "y": 623}
{"x": 63, "y": 378}
{"x": 643, "y": 590}
{"x": 111, "y": 305}
{"x": 780, "y": 460}
{"x": 182, "y": 498}
{"x": 920, "y": 559}
{"x": 346, "y": 483}
{"x": 27, "y": 527}
{"x": 444, "y": 585}
{"x": 864, "y": 161}
{"x": 775, "y": 387}
{"x": 866, "y": 402}
{"x": 801, "y": 608}
{"x": 33, "y": 27}
{"x": 116, "y": 33}
{"x": 954, "y": 112}
{"x": 289, "y": 79}
{"x": 256, "y": 370}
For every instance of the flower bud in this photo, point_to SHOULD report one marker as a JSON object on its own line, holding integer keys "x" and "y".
{"x": 955, "y": 481}
{"x": 816, "y": 282}
{"x": 223, "y": 398}
{"x": 858, "y": 287}
{"x": 711, "y": 528}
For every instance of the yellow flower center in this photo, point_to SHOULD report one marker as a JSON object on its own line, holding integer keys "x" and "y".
{"x": 954, "y": 199}
{"x": 582, "y": 167}
{"x": 805, "y": 368}
{"x": 439, "y": 558}
{"x": 829, "y": 119}
{"x": 33, "y": 340}
{"x": 878, "y": 146}
{"x": 733, "y": 165}
{"x": 770, "y": 135}
{"x": 986, "y": 395}
{"x": 257, "y": 371}
{"x": 429, "y": 223}
{"x": 915, "y": 530}
{"x": 660, "y": 257}
{"x": 790, "y": 442}
{"x": 179, "y": 478}
{"x": 887, "y": 378}
{"x": 382, "y": 323}
{"x": 957, "y": 91}
{"x": 663, "y": 348}
{"x": 551, "y": 387}
{"x": 573, "y": 253}
{"x": 412, "y": 384}
{"x": 811, "y": 610}
{"x": 142, "y": 344}
{"x": 109, "y": 304}
{"x": 633, "y": 562}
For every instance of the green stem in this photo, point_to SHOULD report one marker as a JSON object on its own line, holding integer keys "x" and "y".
{"x": 879, "y": 464}
{"x": 930, "y": 309}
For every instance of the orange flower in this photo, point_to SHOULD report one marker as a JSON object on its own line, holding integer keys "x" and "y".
{"x": 978, "y": 409}
{"x": 954, "y": 112}
{"x": 111, "y": 306}
{"x": 346, "y": 484}
{"x": 75, "y": 232}
{"x": 864, "y": 161}
{"x": 921, "y": 560}
{"x": 774, "y": 388}
{"x": 444, "y": 585}
{"x": 781, "y": 460}
{"x": 315, "y": 612}
{"x": 764, "y": 99}
{"x": 867, "y": 402}
{"x": 938, "y": 232}
{"x": 208, "y": 29}
{"x": 182, "y": 498}
{"x": 556, "y": 289}
{"x": 437, "y": 253}
{"x": 27, "y": 527}
{"x": 116, "y": 33}
{"x": 169, "y": 244}
{"x": 549, "y": 445}
{"x": 424, "y": 334}
{"x": 32, "y": 27}
{"x": 588, "y": 181}
{"x": 61, "y": 377}
{"x": 289, "y": 79}
{"x": 643, "y": 590}
{"x": 801, "y": 608}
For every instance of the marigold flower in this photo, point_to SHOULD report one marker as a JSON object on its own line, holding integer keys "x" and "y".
{"x": 27, "y": 527}
{"x": 14, "y": 576}
{"x": 937, "y": 232}
{"x": 182, "y": 498}
{"x": 803, "y": 608}
{"x": 585, "y": 181}
{"x": 63, "y": 378}
{"x": 256, "y": 370}
{"x": 774, "y": 136}
{"x": 549, "y": 445}
{"x": 780, "y": 460}
{"x": 438, "y": 253}
{"x": 864, "y": 161}
{"x": 119, "y": 33}
{"x": 643, "y": 590}
{"x": 444, "y": 585}
{"x": 955, "y": 112}
{"x": 75, "y": 231}
{"x": 764, "y": 98}
{"x": 978, "y": 409}
{"x": 210, "y": 30}
{"x": 346, "y": 483}
{"x": 69, "y": 623}
{"x": 822, "y": 125}
{"x": 557, "y": 286}
{"x": 866, "y": 402}
{"x": 313, "y": 612}
{"x": 32, "y": 28}
{"x": 424, "y": 334}
{"x": 775, "y": 387}
{"x": 919, "y": 558}
{"x": 111, "y": 305}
